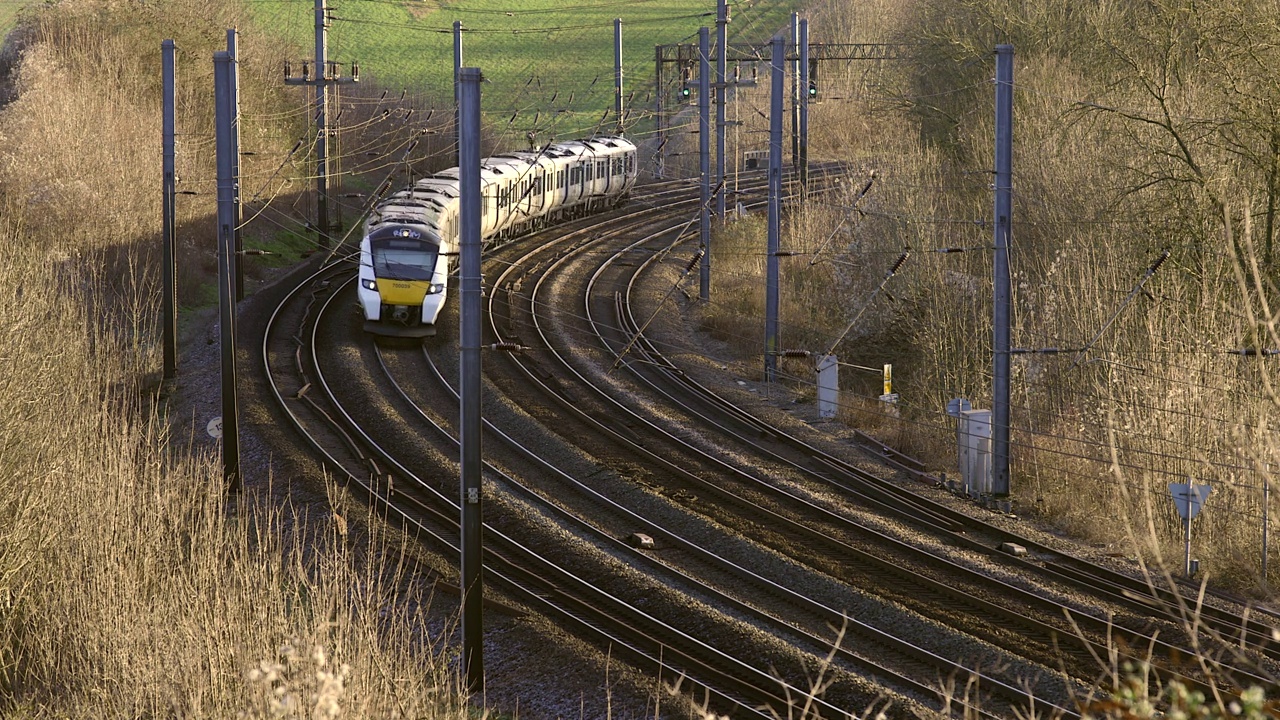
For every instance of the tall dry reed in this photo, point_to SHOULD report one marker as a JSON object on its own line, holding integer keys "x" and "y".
{"x": 132, "y": 586}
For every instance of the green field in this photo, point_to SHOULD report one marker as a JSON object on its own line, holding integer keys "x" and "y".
{"x": 549, "y": 63}
{"x": 8, "y": 12}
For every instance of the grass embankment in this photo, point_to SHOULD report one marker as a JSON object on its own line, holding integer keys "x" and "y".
{"x": 9, "y": 14}
{"x": 130, "y": 588}
{"x": 1111, "y": 168}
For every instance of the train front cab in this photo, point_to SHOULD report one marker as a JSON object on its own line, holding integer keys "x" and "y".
{"x": 403, "y": 282}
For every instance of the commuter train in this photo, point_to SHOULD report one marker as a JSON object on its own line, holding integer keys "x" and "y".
{"x": 411, "y": 237}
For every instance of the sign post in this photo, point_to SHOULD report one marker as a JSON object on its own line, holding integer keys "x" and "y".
{"x": 1189, "y": 499}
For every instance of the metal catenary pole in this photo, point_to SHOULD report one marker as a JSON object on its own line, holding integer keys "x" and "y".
{"x": 704, "y": 161}
{"x": 169, "y": 192}
{"x": 722, "y": 53}
{"x": 457, "y": 67}
{"x": 795, "y": 92}
{"x": 778, "y": 83}
{"x": 803, "y": 162}
{"x": 1002, "y": 290}
{"x": 324, "y": 75}
{"x": 617, "y": 74}
{"x": 237, "y": 266}
{"x": 322, "y": 129}
{"x": 660, "y": 169}
{"x": 224, "y": 78}
{"x": 469, "y": 383}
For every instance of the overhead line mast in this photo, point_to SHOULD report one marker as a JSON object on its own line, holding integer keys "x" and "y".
{"x": 326, "y": 74}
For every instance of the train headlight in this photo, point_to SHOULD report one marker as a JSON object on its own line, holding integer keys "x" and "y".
{"x": 369, "y": 284}
{"x": 435, "y": 289}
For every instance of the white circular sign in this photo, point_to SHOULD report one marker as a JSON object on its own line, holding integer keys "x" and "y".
{"x": 214, "y": 428}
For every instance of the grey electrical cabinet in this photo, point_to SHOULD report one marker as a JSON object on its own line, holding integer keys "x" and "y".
{"x": 973, "y": 438}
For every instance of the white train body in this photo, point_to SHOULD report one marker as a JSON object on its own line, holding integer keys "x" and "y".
{"x": 411, "y": 237}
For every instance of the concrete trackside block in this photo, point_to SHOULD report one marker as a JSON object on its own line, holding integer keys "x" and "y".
{"x": 1013, "y": 549}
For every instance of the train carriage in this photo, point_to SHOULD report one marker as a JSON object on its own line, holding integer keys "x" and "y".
{"x": 411, "y": 237}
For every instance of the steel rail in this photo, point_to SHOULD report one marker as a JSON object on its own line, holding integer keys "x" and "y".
{"x": 546, "y": 343}
{"x": 1228, "y": 629}
{"x": 653, "y": 361}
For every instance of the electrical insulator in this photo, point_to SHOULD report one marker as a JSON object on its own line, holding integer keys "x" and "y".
{"x": 1160, "y": 261}
{"x": 511, "y": 347}
{"x": 288, "y": 70}
{"x": 693, "y": 261}
{"x": 306, "y": 70}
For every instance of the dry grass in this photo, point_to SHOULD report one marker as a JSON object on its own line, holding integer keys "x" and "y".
{"x": 130, "y": 587}
{"x": 1155, "y": 397}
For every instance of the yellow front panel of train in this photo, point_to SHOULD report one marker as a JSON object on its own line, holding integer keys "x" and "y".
{"x": 402, "y": 292}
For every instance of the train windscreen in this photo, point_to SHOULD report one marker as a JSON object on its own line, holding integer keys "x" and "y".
{"x": 403, "y": 258}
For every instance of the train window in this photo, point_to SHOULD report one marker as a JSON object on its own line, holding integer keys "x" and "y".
{"x": 403, "y": 259}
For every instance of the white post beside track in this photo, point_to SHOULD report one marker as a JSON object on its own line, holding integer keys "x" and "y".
{"x": 828, "y": 386}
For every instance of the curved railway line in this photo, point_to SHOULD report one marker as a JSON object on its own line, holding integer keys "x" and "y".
{"x": 776, "y": 558}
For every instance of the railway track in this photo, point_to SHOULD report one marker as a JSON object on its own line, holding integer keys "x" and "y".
{"x": 1254, "y": 631}
{"x": 297, "y": 352}
{"x": 617, "y": 333}
{"x": 620, "y": 333}
{"x": 637, "y": 600}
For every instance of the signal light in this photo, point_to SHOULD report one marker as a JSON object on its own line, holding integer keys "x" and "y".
{"x": 813, "y": 89}
{"x": 813, "y": 77}
{"x": 685, "y": 76}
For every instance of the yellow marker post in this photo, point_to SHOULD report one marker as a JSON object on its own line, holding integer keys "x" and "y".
{"x": 888, "y": 379}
